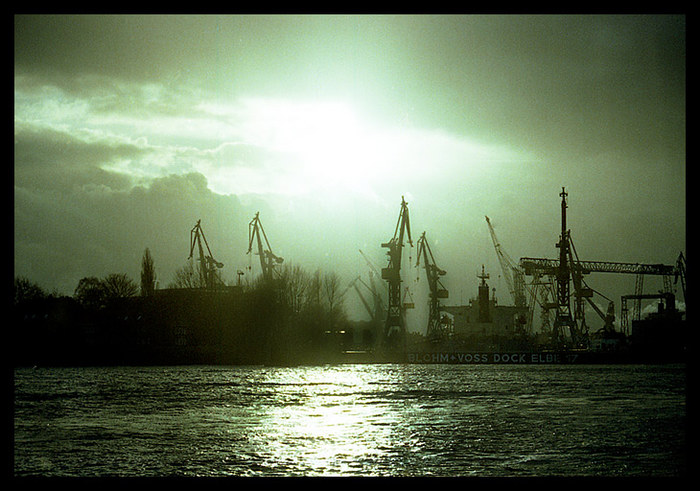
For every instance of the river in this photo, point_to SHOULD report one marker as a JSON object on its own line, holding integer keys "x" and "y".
{"x": 351, "y": 420}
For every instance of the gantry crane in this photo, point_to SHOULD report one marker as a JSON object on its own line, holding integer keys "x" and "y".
{"x": 513, "y": 274}
{"x": 436, "y": 330}
{"x": 569, "y": 268}
{"x": 395, "y": 327}
{"x": 268, "y": 259}
{"x": 539, "y": 266}
{"x": 208, "y": 265}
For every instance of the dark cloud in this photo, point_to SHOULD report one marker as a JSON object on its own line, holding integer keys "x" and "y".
{"x": 593, "y": 103}
{"x": 133, "y": 47}
{"x": 62, "y": 236}
{"x": 46, "y": 158}
{"x": 542, "y": 81}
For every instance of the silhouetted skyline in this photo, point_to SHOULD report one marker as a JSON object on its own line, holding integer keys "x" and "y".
{"x": 129, "y": 129}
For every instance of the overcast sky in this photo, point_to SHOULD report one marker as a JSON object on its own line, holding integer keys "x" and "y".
{"x": 129, "y": 129}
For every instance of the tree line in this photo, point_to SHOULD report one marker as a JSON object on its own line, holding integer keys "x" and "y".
{"x": 298, "y": 289}
{"x": 296, "y": 316}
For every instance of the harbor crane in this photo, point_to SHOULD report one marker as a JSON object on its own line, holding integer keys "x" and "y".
{"x": 513, "y": 274}
{"x": 563, "y": 273}
{"x": 541, "y": 266}
{"x": 353, "y": 284}
{"x": 436, "y": 330}
{"x": 372, "y": 270}
{"x": 377, "y": 297}
{"x": 395, "y": 326}
{"x": 208, "y": 265}
{"x": 373, "y": 311}
{"x": 680, "y": 273}
{"x": 268, "y": 259}
{"x": 570, "y": 269}
{"x": 565, "y": 270}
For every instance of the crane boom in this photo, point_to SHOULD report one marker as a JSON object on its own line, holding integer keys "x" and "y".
{"x": 268, "y": 259}
{"x": 371, "y": 265}
{"x": 532, "y": 264}
{"x": 208, "y": 264}
{"x": 513, "y": 275}
{"x": 376, "y": 296}
{"x": 437, "y": 291}
{"x": 353, "y": 284}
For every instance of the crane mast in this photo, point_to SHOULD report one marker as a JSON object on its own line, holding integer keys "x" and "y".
{"x": 435, "y": 330}
{"x": 395, "y": 320}
{"x": 268, "y": 260}
{"x": 208, "y": 265}
{"x": 565, "y": 271}
{"x": 513, "y": 275}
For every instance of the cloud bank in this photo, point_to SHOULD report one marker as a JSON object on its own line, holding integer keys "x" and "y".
{"x": 128, "y": 129}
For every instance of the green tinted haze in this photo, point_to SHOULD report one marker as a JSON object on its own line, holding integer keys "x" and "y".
{"x": 128, "y": 129}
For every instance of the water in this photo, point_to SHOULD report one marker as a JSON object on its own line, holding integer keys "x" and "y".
{"x": 351, "y": 420}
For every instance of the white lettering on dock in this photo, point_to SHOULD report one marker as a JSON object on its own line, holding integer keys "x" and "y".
{"x": 467, "y": 358}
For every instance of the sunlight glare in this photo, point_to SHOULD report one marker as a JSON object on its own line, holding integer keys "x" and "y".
{"x": 328, "y": 144}
{"x": 329, "y": 149}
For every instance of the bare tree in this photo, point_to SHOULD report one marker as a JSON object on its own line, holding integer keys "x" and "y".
{"x": 119, "y": 285}
{"x": 330, "y": 286}
{"x": 296, "y": 283}
{"x": 187, "y": 277}
{"x": 148, "y": 274}
{"x": 90, "y": 292}
{"x": 26, "y": 290}
{"x": 315, "y": 288}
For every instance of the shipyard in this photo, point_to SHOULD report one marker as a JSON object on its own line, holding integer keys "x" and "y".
{"x": 289, "y": 317}
{"x": 558, "y": 289}
{"x": 328, "y": 245}
{"x": 472, "y": 198}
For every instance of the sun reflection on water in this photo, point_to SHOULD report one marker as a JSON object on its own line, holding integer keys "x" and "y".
{"x": 351, "y": 420}
{"x": 330, "y": 423}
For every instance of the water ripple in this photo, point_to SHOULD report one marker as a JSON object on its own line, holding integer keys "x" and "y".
{"x": 363, "y": 420}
